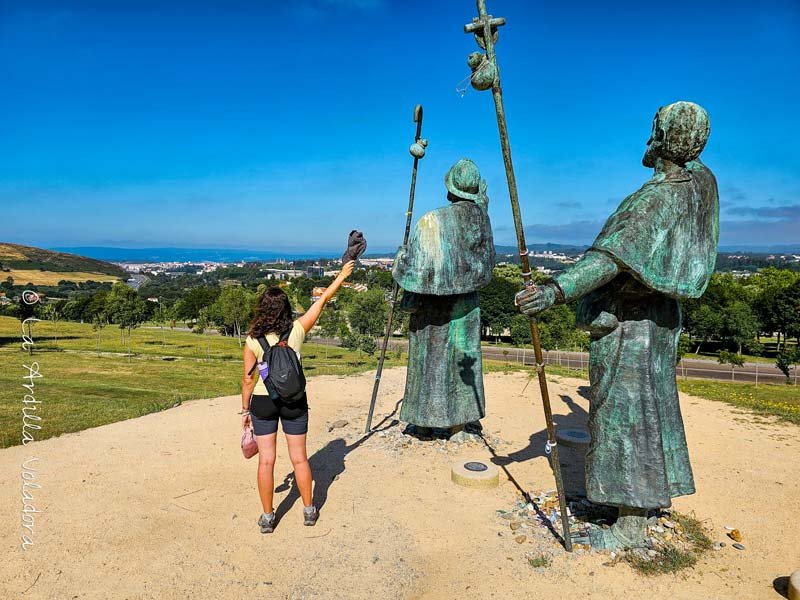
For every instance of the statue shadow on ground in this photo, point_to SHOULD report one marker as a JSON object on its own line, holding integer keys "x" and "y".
{"x": 327, "y": 464}
{"x": 16, "y": 340}
{"x": 573, "y": 461}
{"x": 781, "y": 586}
{"x": 574, "y": 476}
{"x": 467, "y": 374}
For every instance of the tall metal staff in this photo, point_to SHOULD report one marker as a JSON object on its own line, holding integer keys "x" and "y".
{"x": 417, "y": 150}
{"x": 486, "y": 74}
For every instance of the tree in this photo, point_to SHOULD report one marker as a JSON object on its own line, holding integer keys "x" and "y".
{"x": 367, "y": 313}
{"x": 203, "y": 320}
{"x": 368, "y": 345}
{"x": 330, "y": 322}
{"x": 520, "y": 328}
{"x": 497, "y": 304}
{"x": 77, "y": 309}
{"x": 778, "y": 302}
{"x": 98, "y": 323}
{"x": 739, "y": 324}
{"x": 234, "y": 308}
{"x": 52, "y": 311}
{"x": 684, "y": 346}
{"x": 706, "y": 324}
{"x": 731, "y": 358}
{"x": 380, "y": 278}
{"x": 198, "y": 297}
{"x": 556, "y": 327}
{"x": 786, "y": 361}
{"x": 97, "y": 306}
{"x": 497, "y": 298}
{"x": 159, "y": 318}
{"x": 126, "y": 309}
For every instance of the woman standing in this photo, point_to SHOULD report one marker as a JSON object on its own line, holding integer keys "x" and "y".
{"x": 262, "y": 409}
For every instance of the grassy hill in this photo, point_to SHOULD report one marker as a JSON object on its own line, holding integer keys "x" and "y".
{"x": 26, "y": 264}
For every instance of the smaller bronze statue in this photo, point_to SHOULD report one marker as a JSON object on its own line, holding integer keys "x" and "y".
{"x": 660, "y": 246}
{"x": 449, "y": 257}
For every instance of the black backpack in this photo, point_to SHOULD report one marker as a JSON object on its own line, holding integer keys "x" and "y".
{"x": 285, "y": 375}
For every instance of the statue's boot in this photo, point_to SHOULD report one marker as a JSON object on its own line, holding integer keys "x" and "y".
{"x": 418, "y": 431}
{"x": 465, "y": 433}
{"x": 630, "y": 531}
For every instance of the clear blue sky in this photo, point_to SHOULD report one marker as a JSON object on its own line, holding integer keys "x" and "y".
{"x": 285, "y": 125}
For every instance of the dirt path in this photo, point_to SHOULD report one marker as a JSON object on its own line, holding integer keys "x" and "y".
{"x": 164, "y": 506}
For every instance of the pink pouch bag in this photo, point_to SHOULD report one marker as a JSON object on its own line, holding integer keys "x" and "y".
{"x": 249, "y": 445}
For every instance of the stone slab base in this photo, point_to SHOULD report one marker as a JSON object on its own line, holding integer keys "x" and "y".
{"x": 480, "y": 479}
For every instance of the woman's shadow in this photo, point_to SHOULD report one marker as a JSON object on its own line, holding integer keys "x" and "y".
{"x": 327, "y": 464}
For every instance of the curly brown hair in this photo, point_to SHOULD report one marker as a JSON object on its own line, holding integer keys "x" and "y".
{"x": 273, "y": 313}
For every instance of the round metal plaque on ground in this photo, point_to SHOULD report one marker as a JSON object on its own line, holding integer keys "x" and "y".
{"x": 475, "y": 474}
{"x": 573, "y": 437}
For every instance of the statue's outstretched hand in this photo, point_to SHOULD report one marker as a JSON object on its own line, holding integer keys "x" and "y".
{"x": 535, "y": 299}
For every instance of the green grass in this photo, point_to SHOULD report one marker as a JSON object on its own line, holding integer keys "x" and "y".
{"x": 774, "y": 399}
{"x": 81, "y": 388}
{"x": 540, "y": 561}
{"x": 669, "y": 559}
{"x": 694, "y": 532}
{"x": 747, "y": 357}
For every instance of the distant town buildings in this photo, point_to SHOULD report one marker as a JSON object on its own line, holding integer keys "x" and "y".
{"x": 383, "y": 263}
{"x": 283, "y": 274}
{"x": 557, "y": 256}
{"x": 316, "y": 293}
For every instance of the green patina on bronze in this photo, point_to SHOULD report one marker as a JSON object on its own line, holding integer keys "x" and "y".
{"x": 659, "y": 247}
{"x": 449, "y": 257}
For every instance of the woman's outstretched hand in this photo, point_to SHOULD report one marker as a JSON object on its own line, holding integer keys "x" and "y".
{"x": 347, "y": 270}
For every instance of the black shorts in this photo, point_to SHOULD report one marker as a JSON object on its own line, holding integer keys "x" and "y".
{"x": 266, "y": 410}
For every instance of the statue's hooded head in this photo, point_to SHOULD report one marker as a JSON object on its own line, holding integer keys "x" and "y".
{"x": 680, "y": 132}
{"x": 463, "y": 182}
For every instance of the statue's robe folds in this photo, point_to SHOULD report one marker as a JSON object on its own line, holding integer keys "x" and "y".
{"x": 664, "y": 241}
{"x": 449, "y": 257}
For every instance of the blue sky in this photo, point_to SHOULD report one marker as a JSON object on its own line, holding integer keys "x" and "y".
{"x": 285, "y": 125}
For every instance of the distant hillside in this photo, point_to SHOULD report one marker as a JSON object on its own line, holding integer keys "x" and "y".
{"x": 26, "y": 264}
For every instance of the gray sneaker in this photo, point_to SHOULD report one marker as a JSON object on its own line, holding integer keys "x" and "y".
{"x": 267, "y": 522}
{"x": 310, "y": 515}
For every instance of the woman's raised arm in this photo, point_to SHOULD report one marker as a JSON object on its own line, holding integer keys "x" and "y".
{"x": 309, "y": 319}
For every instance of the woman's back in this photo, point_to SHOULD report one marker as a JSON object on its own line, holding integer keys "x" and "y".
{"x": 295, "y": 342}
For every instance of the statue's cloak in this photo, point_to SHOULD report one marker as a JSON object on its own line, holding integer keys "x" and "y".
{"x": 448, "y": 258}
{"x": 666, "y": 233}
{"x": 451, "y": 251}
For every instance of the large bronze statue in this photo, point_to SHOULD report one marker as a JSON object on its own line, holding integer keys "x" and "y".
{"x": 449, "y": 257}
{"x": 659, "y": 247}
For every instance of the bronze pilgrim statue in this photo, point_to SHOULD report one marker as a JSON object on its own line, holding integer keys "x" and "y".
{"x": 658, "y": 248}
{"x": 449, "y": 257}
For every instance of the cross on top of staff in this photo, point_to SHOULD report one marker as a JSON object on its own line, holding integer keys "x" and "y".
{"x": 484, "y": 24}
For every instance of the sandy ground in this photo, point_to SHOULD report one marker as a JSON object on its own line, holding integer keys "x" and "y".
{"x": 164, "y": 506}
